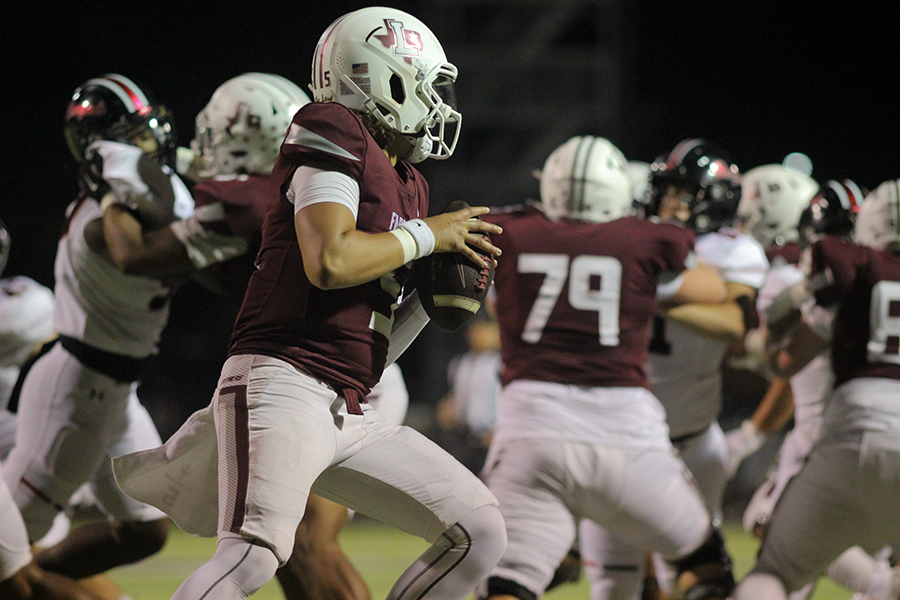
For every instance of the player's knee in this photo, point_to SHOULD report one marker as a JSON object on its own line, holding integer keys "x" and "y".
{"x": 140, "y": 539}
{"x": 255, "y": 565}
{"x": 485, "y": 531}
{"x": 705, "y": 573}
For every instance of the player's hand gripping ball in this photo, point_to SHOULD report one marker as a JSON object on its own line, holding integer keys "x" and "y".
{"x": 451, "y": 287}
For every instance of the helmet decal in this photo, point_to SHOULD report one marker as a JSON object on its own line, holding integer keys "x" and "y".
{"x": 410, "y": 45}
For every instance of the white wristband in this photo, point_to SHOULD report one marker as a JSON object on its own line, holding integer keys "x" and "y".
{"x": 423, "y": 236}
{"x": 408, "y": 242}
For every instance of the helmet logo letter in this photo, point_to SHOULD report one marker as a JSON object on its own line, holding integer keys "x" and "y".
{"x": 410, "y": 42}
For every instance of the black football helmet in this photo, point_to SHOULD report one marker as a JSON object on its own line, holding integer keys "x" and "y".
{"x": 831, "y": 212}
{"x": 113, "y": 107}
{"x": 4, "y": 246}
{"x": 702, "y": 167}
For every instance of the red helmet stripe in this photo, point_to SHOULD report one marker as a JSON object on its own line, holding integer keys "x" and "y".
{"x": 126, "y": 90}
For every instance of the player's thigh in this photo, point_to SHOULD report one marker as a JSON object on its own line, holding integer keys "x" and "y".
{"x": 276, "y": 433}
{"x": 399, "y": 476}
{"x": 140, "y": 434}
{"x": 531, "y": 481}
{"x": 69, "y": 416}
{"x": 655, "y": 505}
{"x": 802, "y": 539}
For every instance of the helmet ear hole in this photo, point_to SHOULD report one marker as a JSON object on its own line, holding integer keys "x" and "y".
{"x": 397, "y": 93}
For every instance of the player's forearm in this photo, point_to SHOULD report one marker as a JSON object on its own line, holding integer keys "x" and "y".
{"x": 354, "y": 258}
{"x": 700, "y": 284}
{"x": 721, "y": 321}
{"x": 135, "y": 252}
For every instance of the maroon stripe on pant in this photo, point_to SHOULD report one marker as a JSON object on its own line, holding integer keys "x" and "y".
{"x": 242, "y": 451}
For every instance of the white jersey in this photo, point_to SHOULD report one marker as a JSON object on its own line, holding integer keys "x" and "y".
{"x": 95, "y": 302}
{"x": 26, "y": 320}
{"x": 26, "y": 309}
{"x": 684, "y": 366}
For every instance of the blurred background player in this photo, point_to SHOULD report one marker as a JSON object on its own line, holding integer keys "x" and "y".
{"x": 26, "y": 310}
{"x": 315, "y": 332}
{"x": 831, "y": 212}
{"x": 78, "y": 404}
{"x": 851, "y": 475}
{"x": 576, "y": 290}
{"x": 466, "y": 416}
{"x": 26, "y": 322}
{"x": 695, "y": 185}
{"x": 772, "y": 199}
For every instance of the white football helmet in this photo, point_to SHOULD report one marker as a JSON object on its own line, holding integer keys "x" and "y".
{"x": 639, "y": 176}
{"x": 241, "y": 128}
{"x": 772, "y": 199}
{"x": 586, "y": 179}
{"x": 387, "y": 63}
{"x": 878, "y": 222}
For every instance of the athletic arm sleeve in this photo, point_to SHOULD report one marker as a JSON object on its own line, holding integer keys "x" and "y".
{"x": 312, "y": 185}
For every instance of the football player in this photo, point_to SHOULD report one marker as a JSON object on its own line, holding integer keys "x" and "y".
{"x": 26, "y": 311}
{"x": 78, "y": 404}
{"x": 696, "y": 185}
{"x": 576, "y": 292}
{"x": 831, "y": 212}
{"x": 320, "y": 320}
{"x": 850, "y": 476}
{"x": 237, "y": 138}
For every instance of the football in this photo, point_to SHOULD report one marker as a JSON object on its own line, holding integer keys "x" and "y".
{"x": 451, "y": 287}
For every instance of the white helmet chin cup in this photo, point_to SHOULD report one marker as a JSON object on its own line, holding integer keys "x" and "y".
{"x": 586, "y": 179}
{"x": 878, "y": 222}
{"x": 241, "y": 128}
{"x": 772, "y": 199}
{"x": 388, "y": 63}
{"x": 421, "y": 150}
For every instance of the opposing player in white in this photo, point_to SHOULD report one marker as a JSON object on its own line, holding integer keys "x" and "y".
{"x": 26, "y": 310}
{"x": 78, "y": 404}
{"x": 851, "y": 476}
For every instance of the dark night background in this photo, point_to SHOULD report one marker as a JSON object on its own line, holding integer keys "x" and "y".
{"x": 762, "y": 78}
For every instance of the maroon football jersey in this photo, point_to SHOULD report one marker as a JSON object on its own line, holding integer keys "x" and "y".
{"x": 864, "y": 284}
{"x": 575, "y": 299}
{"x": 244, "y": 199}
{"x": 329, "y": 334}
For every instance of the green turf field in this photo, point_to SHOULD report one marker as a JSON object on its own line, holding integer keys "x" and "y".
{"x": 379, "y": 552}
